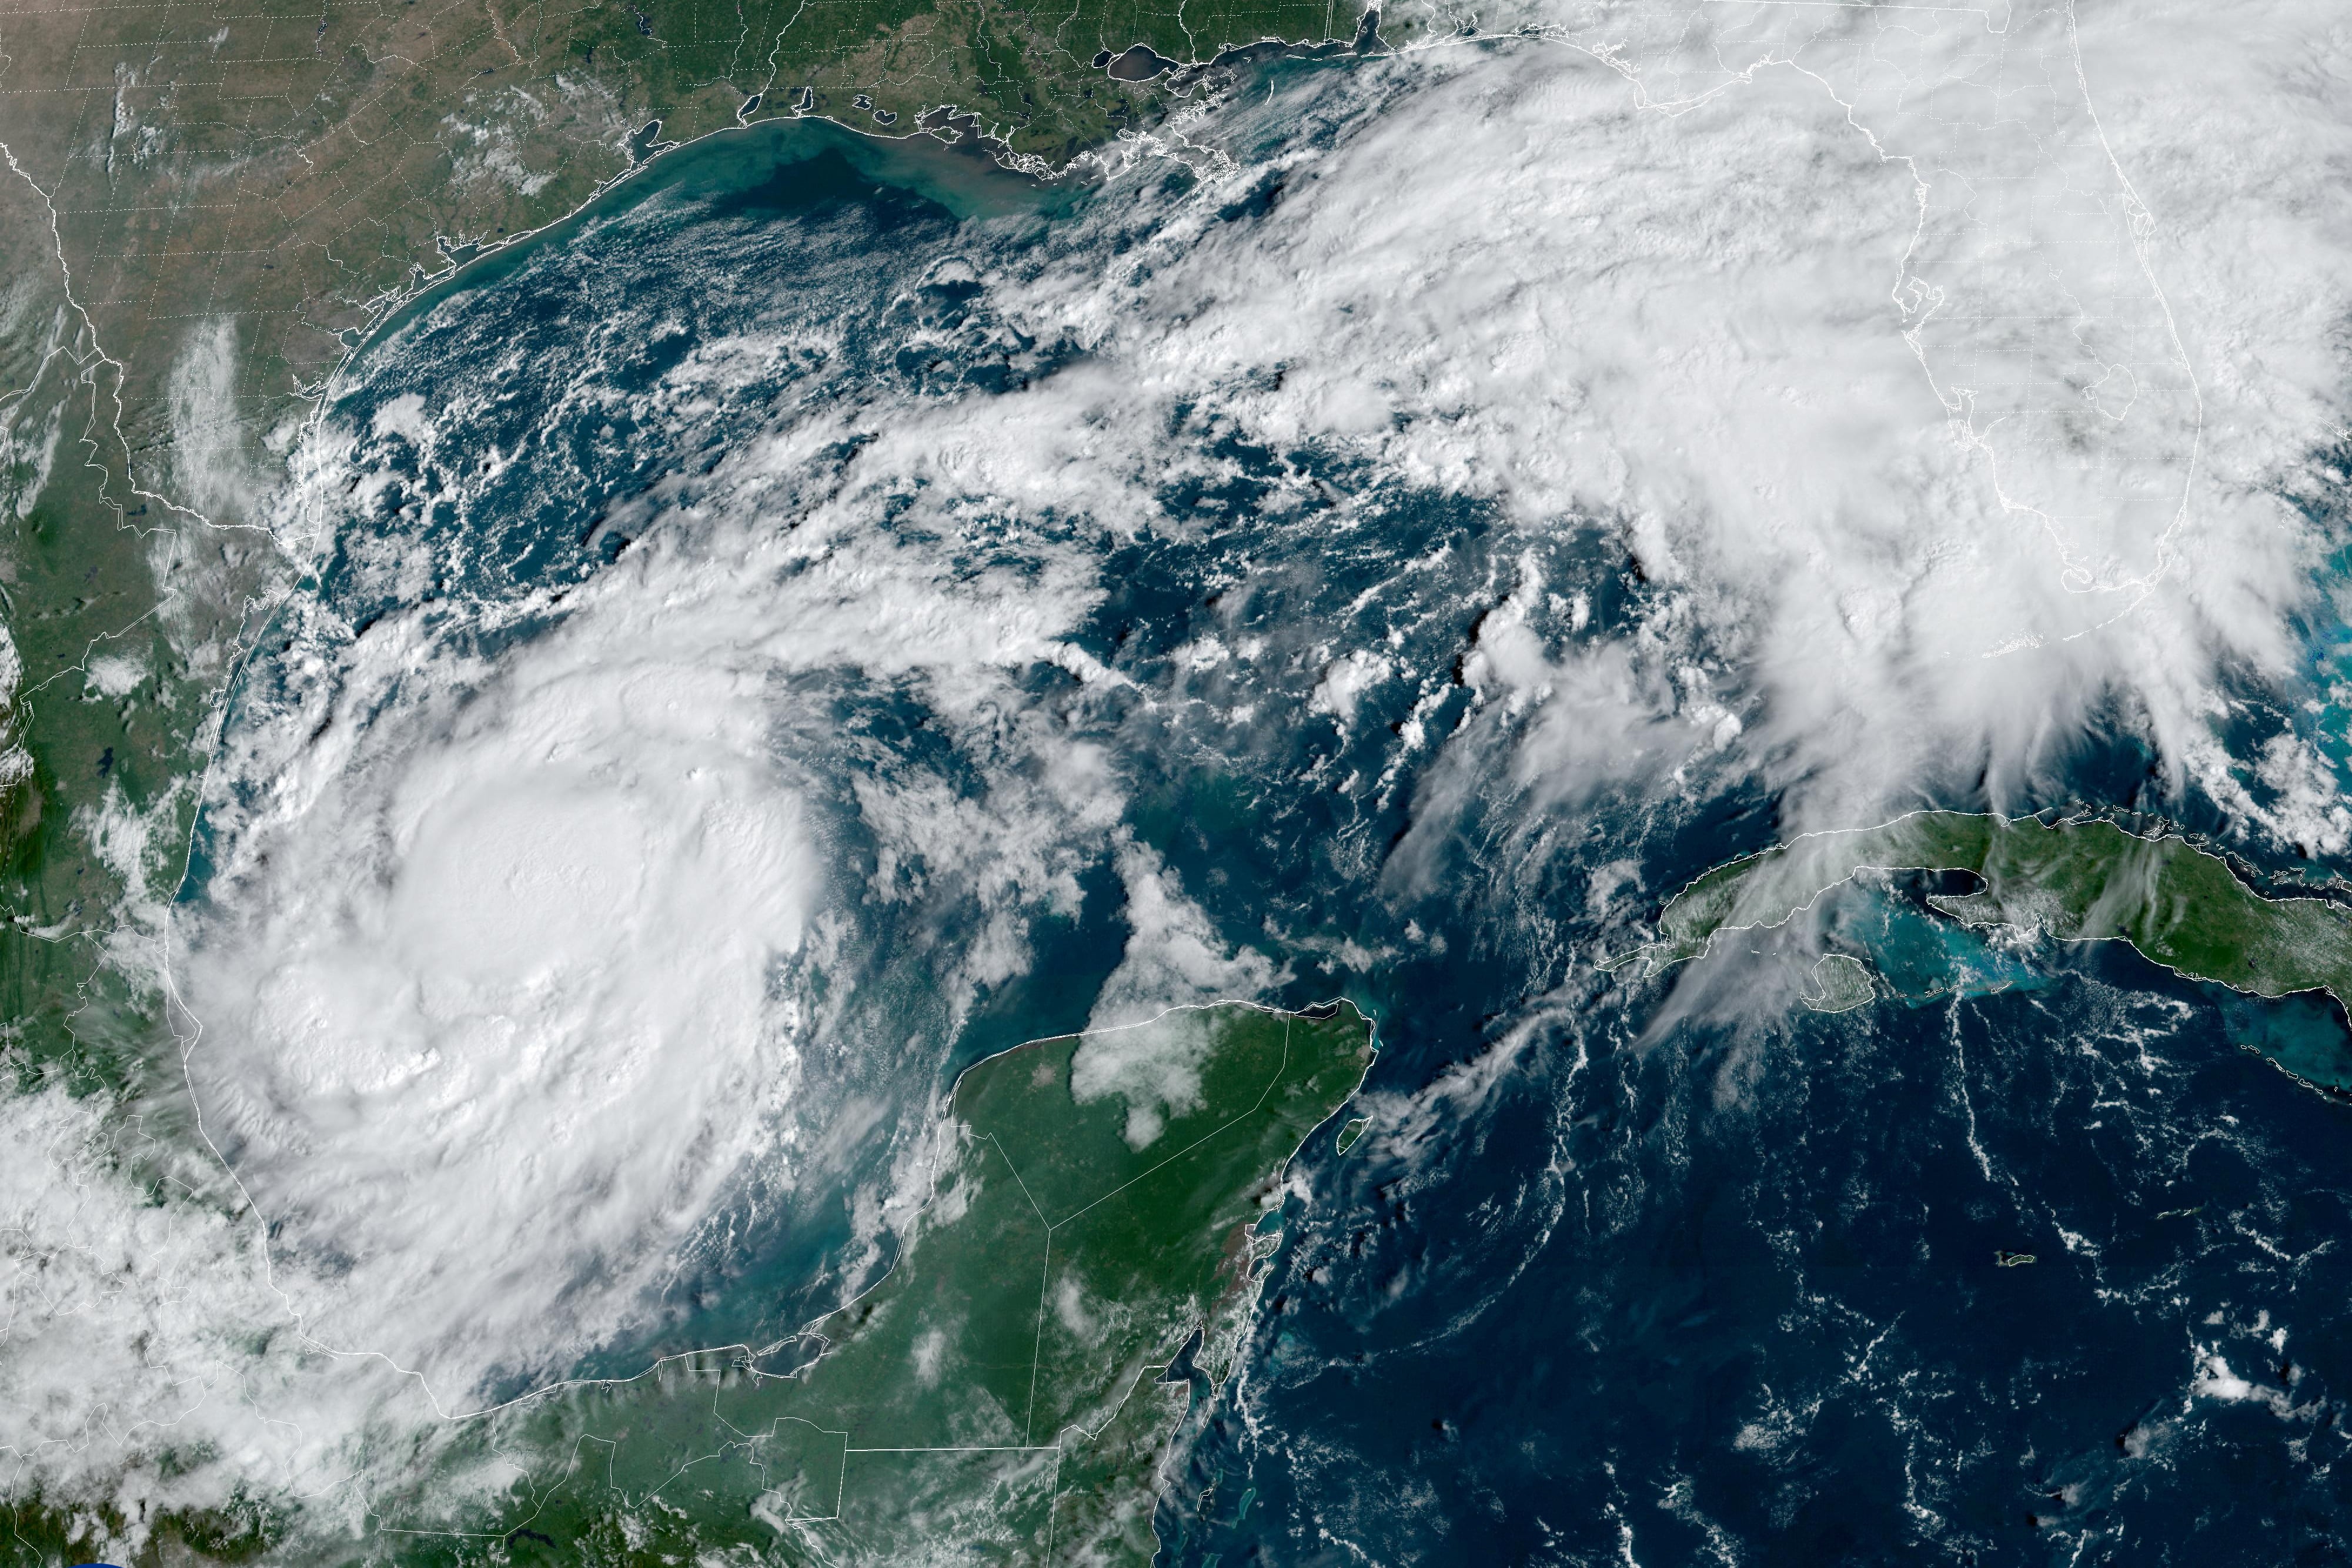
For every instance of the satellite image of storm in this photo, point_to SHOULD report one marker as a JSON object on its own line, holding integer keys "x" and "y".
{"x": 1419, "y": 784}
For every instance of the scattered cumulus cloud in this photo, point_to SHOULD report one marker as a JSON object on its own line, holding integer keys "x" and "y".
{"x": 1173, "y": 955}
{"x": 507, "y": 976}
{"x": 1941, "y": 473}
{"x": 1153, "y": 1068}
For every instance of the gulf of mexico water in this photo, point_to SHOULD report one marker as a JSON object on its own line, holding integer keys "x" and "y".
{"x": 1651, "y": 1270}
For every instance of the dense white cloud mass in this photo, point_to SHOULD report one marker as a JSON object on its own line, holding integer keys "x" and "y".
{"x": 1173, "y": 954}
{"x": 494, "y": 1020}
{"x": 1154, "y": 1069}
{"x": 128, "y": 1327}
{"x": 1860, "y": 331}
{"x": 1857, "y": 325}
{"x": 1944, "y": 378}
{"x": 509, "y": 968}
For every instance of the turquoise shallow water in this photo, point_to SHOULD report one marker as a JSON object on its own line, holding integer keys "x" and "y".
{"x": 1925, "y": 958}
{"x": 781, "y": 164}
{"x": 1619, "y": 1261}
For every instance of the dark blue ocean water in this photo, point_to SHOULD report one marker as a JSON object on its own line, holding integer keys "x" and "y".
{"x": 1658, "y": 1270}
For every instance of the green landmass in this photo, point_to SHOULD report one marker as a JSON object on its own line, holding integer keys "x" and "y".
{"x": 1840, "y": 984}
{"x": 1004, "y": 1394}
{"x": 2074, "y": 880}
{"x": 205, "y": 209}
{"x": 280, "y": 172}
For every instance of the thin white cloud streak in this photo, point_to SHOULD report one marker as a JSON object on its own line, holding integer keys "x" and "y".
{"x": 508, "y": 971}
{"x": 208, "y": 459}
{"x": 1518, "y": 275}
{"x": 1494, "y": 273}
{"x": 1513, "y": 275}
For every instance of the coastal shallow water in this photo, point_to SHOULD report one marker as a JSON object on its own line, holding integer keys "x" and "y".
{"x": 1670, "y": 1269}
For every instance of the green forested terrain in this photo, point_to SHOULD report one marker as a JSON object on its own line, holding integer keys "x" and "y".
{"x": 1004, "y": 1394}
{"x": 2076, "y": 882}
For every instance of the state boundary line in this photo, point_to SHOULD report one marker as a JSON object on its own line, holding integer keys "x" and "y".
{"x": 1046, "y": 1274}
